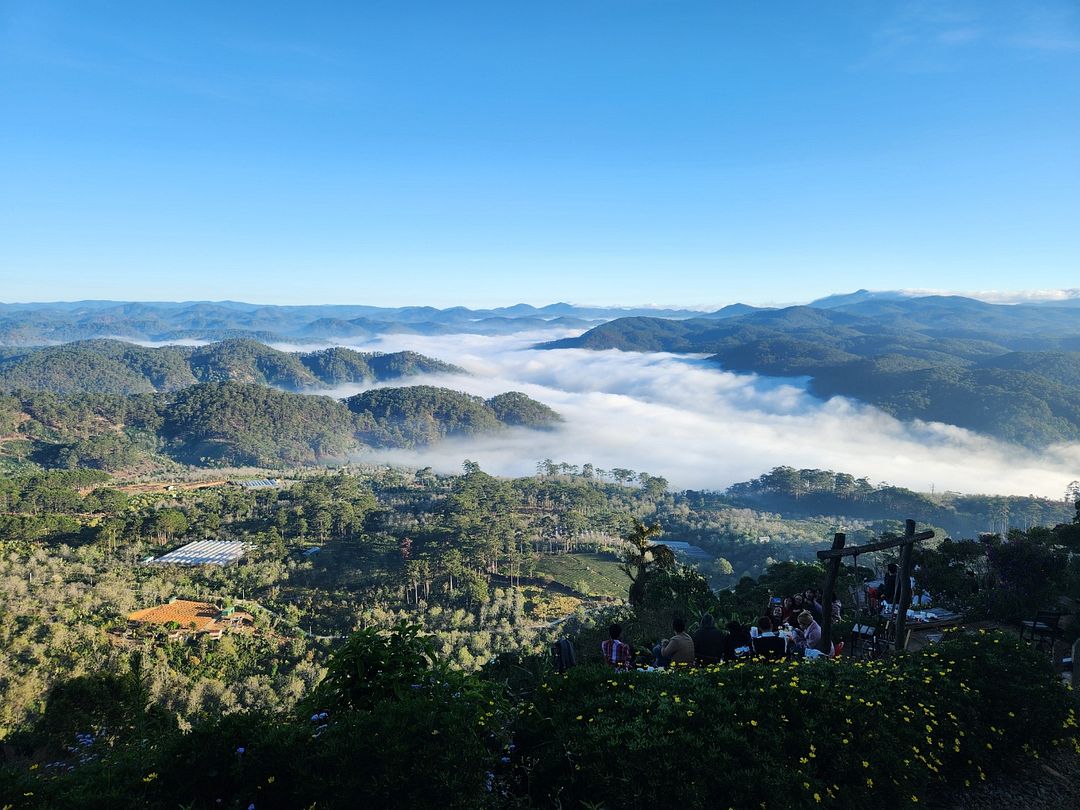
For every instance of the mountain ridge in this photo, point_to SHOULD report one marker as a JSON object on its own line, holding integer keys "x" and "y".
{"x": 1008, "y": 371}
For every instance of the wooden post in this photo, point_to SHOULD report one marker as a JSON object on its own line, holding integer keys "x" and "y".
{"x": 827, "y": 596}
{"x": 905, "y": 585}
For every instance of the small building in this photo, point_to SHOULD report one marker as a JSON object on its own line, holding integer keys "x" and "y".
{"x": 204, "y": 552}
{"x": 257, "y": 483}
{"x": 687, "y": 550}
{"x": 184, "y": 617}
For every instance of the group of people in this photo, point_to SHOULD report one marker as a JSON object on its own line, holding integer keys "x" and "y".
{"x": 799, "y": 636}
{"x": 795, "y": 635}
{"x": 782, "y": 610}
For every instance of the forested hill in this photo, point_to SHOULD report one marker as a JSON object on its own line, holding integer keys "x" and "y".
{"x": 116, "y": 367}
{"x": 233, "y": 424}
{"x": 422, "y": 414}
{"x": 812, "y": 492}
{"x": 1012, "y": 372}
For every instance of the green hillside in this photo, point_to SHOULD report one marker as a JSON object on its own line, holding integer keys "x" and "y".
{"x": 115, "y": 367}
{"x": 233, "y": 423}
{"x": 422, "y": 414}
{"x": 238, "y": 424}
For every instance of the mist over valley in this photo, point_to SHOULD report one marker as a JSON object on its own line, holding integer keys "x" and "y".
{"x": 685, "y": 418}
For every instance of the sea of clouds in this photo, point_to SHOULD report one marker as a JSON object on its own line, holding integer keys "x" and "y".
{"x": 700, "y": 427}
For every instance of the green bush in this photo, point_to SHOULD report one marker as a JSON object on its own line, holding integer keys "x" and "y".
{"x": 944, "y": 572}
{"x": 425, "y": 750}
{"x": 370, "y": 668}
{"x": 395, "y": 728}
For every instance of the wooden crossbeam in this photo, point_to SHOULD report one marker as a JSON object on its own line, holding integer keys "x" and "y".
{"x": 881, "y": 545}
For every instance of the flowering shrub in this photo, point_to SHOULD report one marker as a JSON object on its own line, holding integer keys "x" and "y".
{"x": 751, "y": 734}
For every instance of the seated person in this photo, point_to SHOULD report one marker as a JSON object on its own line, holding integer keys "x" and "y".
{"x": 768, "y": 643}
{"x": 777, "y": 616}
{"x": 709, "y": 642}
{"x": 810, "y": 630}
{"x": 679, "y": 649}
{"x": 797, "y": 605}
{"x": 797, "y": 642}
{"x": 788, "y": 606}
{"x": 873, "y": 597}
{"x": 616, "y": 653}
{"x": 738, "y": 641}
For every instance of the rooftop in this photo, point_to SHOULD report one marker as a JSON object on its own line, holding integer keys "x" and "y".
{"x": 258, "y": 483}
{"x": 204, "y": 552}
{"x": 182, "y": 611}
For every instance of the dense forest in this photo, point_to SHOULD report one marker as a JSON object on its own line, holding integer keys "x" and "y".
{"x": 115, "y": 367}
{"x": 1010, "y": 372}
{"x": 229, "y": 423}
{"x": 824, "y": 492}
{"x": 483, "y": 564}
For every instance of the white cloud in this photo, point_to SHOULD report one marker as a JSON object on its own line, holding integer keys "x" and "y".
{"x": 1004, "y": 296}
{"x": 704, "y": 428}
{"x": 941, "y": 35}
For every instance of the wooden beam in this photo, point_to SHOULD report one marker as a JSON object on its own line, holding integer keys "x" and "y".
{"x": 905, "y": 585}
{"x": 827, "y": 595}
{"x": 881, "y": 545}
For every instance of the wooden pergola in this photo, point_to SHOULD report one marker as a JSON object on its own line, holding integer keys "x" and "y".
{"x": 835, "y": 557}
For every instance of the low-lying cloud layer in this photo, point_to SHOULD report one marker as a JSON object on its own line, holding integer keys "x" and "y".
{"x": 703, "y": 428}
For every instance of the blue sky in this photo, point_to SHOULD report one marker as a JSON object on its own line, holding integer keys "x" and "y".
{"x": 622, "y": 152}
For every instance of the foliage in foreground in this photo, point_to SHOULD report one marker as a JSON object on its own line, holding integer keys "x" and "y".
{"x": 844, "y": 734}
{"x": 847, "y": 734}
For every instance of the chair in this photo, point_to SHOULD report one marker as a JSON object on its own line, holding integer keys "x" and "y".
{"x": 861, "y": 638}
{"x": 1044, "y": 629}
{"x": 884, "y": 638}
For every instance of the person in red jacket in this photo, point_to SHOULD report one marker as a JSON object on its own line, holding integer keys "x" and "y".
{"x": 616, "y": 652}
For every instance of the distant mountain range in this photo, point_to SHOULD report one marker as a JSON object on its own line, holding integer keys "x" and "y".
{"x": 1010, "y": 371}
{"x": 50, "y": 323}
{"x": 38, "y": 324}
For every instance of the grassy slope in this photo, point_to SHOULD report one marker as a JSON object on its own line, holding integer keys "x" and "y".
{"x": 599, "y": 572}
